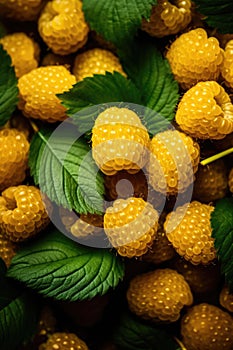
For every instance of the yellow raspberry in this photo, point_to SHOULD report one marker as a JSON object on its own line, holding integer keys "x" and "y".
{"x": 96, "y": 61}
{"x": 159, "y": 295}
{"x": 38, "y": 89}
{"x": 211, "y": 182}
{"x": 226, "y": 298}
{"x": 21, "y": 10}
{"x": 119, "y": 141}
{"x": 64, "y": 341}
{"x": 14, "y": 149}
{"x": 189, "y": 230}
{"x": 131, "y": 226}
{"x": 168, "y": 18}
{"x": 22, "y": 212}
{"x": 24, "y": 52}
{"x": 173, "y": 161}
{"x": 7, "y": 249}
{"x": 206, "y": 327}
{"x": 227, "y": 65}
{"x": 89, "y": 224}
{"x": 62, "y": 26}
{"x": 230, "y": 180}
{"x": 194, "y": 57}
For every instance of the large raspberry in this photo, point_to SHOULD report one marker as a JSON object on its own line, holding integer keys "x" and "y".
{"x": 64, "y": 341}
{"x": 227, "y": 65}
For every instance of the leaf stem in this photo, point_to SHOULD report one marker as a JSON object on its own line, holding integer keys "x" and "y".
{"x": 34, "y": 126}
{"x": 216, "y": 156}
{"x": 180, "y": 344}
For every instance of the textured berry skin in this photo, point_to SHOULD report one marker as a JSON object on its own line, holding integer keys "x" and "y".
{"x": 211, "y": 182}
{"x": 62, "y": 26}
{"x": 189, "y": 230}
{"x": 230, "y": 180}
{"x": 194, "y": 57}
{"x": 89, "y": 224}
{"x": 22, "y": 212}
{"x": 38, "y": 89}
{"x": 21, "y": 10}
{"x": 14, "y": 149}
{"x": 226, "y": 299}
{"x": 24, "y": 52}
{"x": 159, "y": 295}
{"x": 205, "y": 111}
{"x": 119, "y": 141}
{"x": 64, "y": 341}
{"x": 96, "y": 61}
{"x": 206, "y": 327}
{"x": 131, "y": 226}
{"x": 7, "y": 249}
{"x": 173, "y": 161}
{"x": 227, "y": 65}
{"x": 168, "y": 18}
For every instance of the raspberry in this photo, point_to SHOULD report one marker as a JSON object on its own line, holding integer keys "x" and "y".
{"x": 21, "y": 10}
{"x": 168, "y": 18}
{"x": 230, "y": 180}
{"x": 23, "y": 50}
{"x": 226, "y": 298}
{"x": 211, "y": 182}
{"x": 189, "y": 230}
{"x": 62, "y": 26}
{"x": 206, "y": 327}
{"x": 90, "y": 224}
{"x": 14, "y": 149}
{"x": 131, "y": 226}
{"x": 205, "y": 111}
{"x": 194, "y": 57}
{"x": 7, "y": 250}
{"x": 227, "y": 65}
{"x": 159, "y": 295}
{"x": 22, "y": 212}
{"x": 96, "y": 61}
{"x": 174, "y": 158}
{"x": 119, "y": 141}
{"x": 64, "y": 341}
{"x": 38, "y": 90}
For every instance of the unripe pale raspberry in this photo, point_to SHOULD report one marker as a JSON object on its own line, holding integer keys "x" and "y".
{"x": 96, "y": 61}
{"x": 38, "y": 89}
{"x": 168, "y": 18}
{"x": 159, "y": 295}
{"x": 119, "y": 141}
{"x": 7, "y": 249}
{"x": 226, "y": 298}
{"x": 131, "y": 226}
{"x": 22, "y": 212}
{"x": 173, "y": 161}
{"x": 14, "y": 149}
{"x": 227, "y": 65}
{"x": 62, "y": 26}
{"x": 194, "y": 57}
{"x": 205, "y": 111}
{"x": 64, "y": 341}
{"x": 189, "y": 230}
{"x": 206, "y": 327}
{"x": 21, "y": 10}
{"x": 211, "y": 182}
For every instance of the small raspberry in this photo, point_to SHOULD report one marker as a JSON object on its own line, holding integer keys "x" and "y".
{"x": 119, "y": 141}
{"x": 96, "y": 61}
{"x": 168, "y": 18}
{"x": 159, "y": 295}
{"x": 62, "y": 26}
{"x": 21, "y": 10}
{"x": 211, "y": 182}
{"x": 205, "y": 111}
{"x": 14, "y": 149}
{"x": 226, "y": 299}
{"x": 64, "y": 341}
{"x": 189, "y": 230}
{"x": 38, "y": 90}
{"x": 174, "y": 158}
{"x": 194, "y": 57}
{"x": 227, "y": 65}
{"x": 230, "y": 180}
{"x": 7, "y": 249}
{"x": 22, "y": 212}
{"x": 206, "y": 327}
{"x": 131, "y": 226}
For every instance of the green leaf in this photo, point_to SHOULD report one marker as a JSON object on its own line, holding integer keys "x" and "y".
{"x": 222, "y": 232}
{"x": 58, "y": 267}
{"x": 8, "y": 87}
{"x": 219, "y": 14}
{"x": 61, "y": 164}
{"x": 117, "y": 20}
{"x": 133, "y": 334}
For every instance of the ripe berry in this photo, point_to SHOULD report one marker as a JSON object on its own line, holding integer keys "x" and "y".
{"x": 131, "y": 226}
{"x": 227, "y": 65}
{"x": 21, "y": 10}
{"x": 22, "y": 212}
{"x": 89, "y": 224}
{"x": 194, "y": 57}
{"x": 62, "y": 26}
{"x": 64, "y": 341}
{"x": 230, "y": 180}
{"x": 38, "y": 89}
{"x": 226, "y": 299}
{"x": 168, "y": 18}
{"x": 119, "y": 141}
{"x": 189, "y": 230}
{"x": 205, "y": 111}
{"x": 159, "y": 295}
{"x": 7, "y": 249}
{"x": 173, "y": 161}
{"x": 207, "y": 327}
{"x": 14, "y": 149}
{"x": 96, "y": 61}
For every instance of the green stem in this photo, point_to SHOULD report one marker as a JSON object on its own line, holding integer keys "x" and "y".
{"x": 216, "y": 156}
